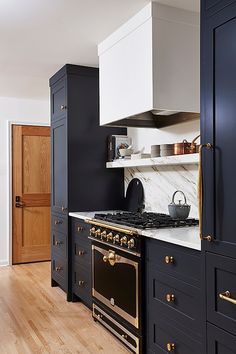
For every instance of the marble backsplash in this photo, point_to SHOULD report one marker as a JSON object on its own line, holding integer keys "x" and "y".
{"x": 160, "y": 182}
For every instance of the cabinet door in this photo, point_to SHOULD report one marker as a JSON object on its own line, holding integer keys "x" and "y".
{"x": 218, "y": 127}
{"x": 59, "y": 202}
{"x": 219, "y": 341}
{"x": 58, "y": 100}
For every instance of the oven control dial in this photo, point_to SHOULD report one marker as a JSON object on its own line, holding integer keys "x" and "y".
{"x": 109, "y": 236}
{"x": 97, "y": 233}
{"x": 123, "y": 240}
{"x": 116, "y": 238}
{"x": 131, "y": 243}
{"x": 92, "y": 231}
{"x": 103, "y": 234}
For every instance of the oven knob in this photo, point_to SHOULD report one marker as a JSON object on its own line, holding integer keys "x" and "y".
{"x": 103, "y": 235}
{"x": 131, "y": 243}
{"x": 123, "y": 240}
{"x": 97, "y": 233}
{"x": 92, "y": 231}
{"x": 116, "y": 238}
{"x": 110, "y": 237}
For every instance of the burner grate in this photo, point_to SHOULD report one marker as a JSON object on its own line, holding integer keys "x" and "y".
{"x": 146, "y": 220}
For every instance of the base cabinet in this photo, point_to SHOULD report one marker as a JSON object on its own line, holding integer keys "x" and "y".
{"x": 219, "y": 341}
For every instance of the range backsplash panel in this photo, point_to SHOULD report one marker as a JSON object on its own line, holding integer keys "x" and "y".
{"x": 160, "y": 182}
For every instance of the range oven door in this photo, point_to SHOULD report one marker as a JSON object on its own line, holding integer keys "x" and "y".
{"x": 116, "y": 282}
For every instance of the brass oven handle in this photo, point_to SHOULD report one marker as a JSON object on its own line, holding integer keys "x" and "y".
{"x": 227, "y": 297}
{"x": 207, "y": 146}
{"x": 111, "y": 258}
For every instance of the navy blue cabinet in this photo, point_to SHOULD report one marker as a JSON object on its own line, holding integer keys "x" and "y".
{"x": 218, "y": 127}
{"x": 173, "y": 300}
{"x": 80, "y": 180}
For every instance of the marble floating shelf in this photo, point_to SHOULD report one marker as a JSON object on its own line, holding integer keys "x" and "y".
{"x": 188, "y": 159}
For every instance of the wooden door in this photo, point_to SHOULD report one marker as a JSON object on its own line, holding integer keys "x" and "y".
{"x": 31, "y": 193}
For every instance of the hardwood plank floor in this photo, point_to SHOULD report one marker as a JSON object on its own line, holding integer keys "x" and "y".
{"x": 35, "y": 318}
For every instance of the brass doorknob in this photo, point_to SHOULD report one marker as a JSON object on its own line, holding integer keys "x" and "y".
{"x": 169, "y": 259}
{"x": 170, "y": 347}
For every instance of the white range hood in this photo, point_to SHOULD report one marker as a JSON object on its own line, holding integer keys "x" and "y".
{"x": 149, "y": 69}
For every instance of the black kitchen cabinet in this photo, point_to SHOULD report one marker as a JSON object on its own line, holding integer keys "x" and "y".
{"x": 173, "y": 300}
{"x": 218, "y": 126}
{"x": 80, "y": 180}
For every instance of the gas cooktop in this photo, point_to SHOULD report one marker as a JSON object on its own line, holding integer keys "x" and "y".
{"x": 145, "y": 220}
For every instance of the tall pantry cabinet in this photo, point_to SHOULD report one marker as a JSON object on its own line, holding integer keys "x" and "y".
{"x": 80, "y": 180}
{"x": 218, "y": 127}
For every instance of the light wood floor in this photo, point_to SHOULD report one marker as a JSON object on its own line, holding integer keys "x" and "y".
{"x": 35, "y": 318}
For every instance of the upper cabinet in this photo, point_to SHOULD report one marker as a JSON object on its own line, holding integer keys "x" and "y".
{"x": 149, "y": 69}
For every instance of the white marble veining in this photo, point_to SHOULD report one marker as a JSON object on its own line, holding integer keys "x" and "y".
{"x": 156, "y": 161}
{"x": 160, "y": 182}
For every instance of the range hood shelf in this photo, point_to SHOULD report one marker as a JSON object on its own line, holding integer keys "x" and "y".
{"x": 188, "y": 159}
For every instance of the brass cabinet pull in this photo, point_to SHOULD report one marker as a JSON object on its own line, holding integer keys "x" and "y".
{"x": 58, "y": 243}
{"x": 58, "y": 222}
{"x": 81, "y": 253}
{"x": 227, "y": 297}
{"x": 81, "y": 282}
{"x": 80, "y": 228}
{"x": 63, "y": 209}
{"x": 170, "y": 347}
{"x": 124, "y": 336}
{"x": 58, "y": 269}
{"x": 169, "y": 259}
{"x": 170, "y": 297}
{"x": 62, "y": 107}
{"x": 207, "y": 146}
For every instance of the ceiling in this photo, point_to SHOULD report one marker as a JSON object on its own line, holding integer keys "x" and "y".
{"x": 37, "y": 37}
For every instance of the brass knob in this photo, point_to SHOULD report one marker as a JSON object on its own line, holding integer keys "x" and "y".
{"x": 99, "y": 316}
{"x": 131, "y": 243}
{"x": 170, "y": 347}
{"x": 110, "y": 236}
{"x": 170, "y": 297}
{"x": 208, "y": 238}
{"x": 169, "y": 259}
{"x": 103, "y": 234}
{"x": 62, "y": 107}
{"x": 58, "y": 269}
{"x": 116, "y": 238}
{"x": 81, "y": 282}
{"x": 57, "y": 243}
{"x": 97, "y": 233}
{"x": 124, "y": 336}
{"x": 81, "y": 253}
{"x": 58, "y": 222}
{"x": 123, "y": 240}
{"x": 92, "y": 231}
{"x": 80, "y": 228}
{"x": 63, "y": 209}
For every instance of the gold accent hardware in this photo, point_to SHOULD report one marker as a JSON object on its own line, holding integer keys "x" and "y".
{"x": 111, "y": 227}
{"x": 58, "y": 269}
{"x": 131, "y": 243}
{"x": 124, "y": 336}
{"x": 58, "y": 243}
{"x": 80, "y": 228}
{"x": 227, "y": 297}
{"x": 110, "y": 236}
{"x": 81, "y": 282}
{"x": 123, "y": 240}
{"x": 170, "y": 297}
{"x": 92, "y": 231}
{"x": 208, "y": 238}
{"x": 97, "y": 233}
{"x": 58, "y": 222}
{"x": 100, "y": 316}
{"x": 81, "y": 253}
{"x": 116, "y": 238}
{"x": 103, "y": 235}
{"x": 170, "y": 347}
{"x": 62, "y": 107}
{"x": 63, "y": 209}
{"x": 207, "y": 146}
{"x": 111, "y": 258}
{"x": 169, "y": 259}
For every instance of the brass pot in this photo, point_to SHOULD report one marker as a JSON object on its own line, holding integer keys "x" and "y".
{"x": 186, "y": 147}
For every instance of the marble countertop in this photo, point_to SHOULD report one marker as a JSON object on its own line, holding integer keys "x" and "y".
{"x": 182, "y": 236}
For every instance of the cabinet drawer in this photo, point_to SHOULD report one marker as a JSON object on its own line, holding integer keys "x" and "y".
{"x": 58, "y": 100}
{"x": 221, "y": 277}
{"x": 81, "y": 254}
{"x": 177, "y": 300}
{"x": 59, "y": 271}
{"x": 219, "y": 341}
{"x": 163, "y": 337}
{"x": 59, "y": 243}
{"x": 179, "y": 262}
{"x": 59, "y": 223}
{"x": 80, "y": 232}
{"x": 82, "y": 283}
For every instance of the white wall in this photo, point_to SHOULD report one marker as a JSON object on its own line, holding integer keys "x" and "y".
{"x": 18, "y": 111}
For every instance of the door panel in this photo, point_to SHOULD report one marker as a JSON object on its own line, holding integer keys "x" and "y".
{"x": 59, "y": 166}
{"x": 219, "y": 341}
{"x": 58, "y": 100}
{"x": 31, "y": 193}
